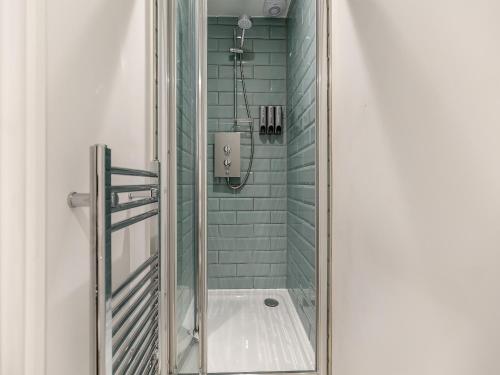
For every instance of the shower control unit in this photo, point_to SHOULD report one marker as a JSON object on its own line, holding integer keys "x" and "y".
{"x": 227, "y": 155}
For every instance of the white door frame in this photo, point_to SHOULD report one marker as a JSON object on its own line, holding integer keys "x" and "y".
{"x": 22, "y": 186}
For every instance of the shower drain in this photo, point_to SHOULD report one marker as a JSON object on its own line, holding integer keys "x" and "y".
{"x": 271, "y": 302}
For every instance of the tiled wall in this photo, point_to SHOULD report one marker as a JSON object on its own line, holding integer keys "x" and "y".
{"x": 247, "y": 228}
{"x": 186, "y": 146}
{"x": 264, "y": 235}
{"x": 301, "y": 160}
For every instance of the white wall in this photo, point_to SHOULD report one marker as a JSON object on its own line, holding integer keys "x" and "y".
{"x": 22, "y": 187}
{"x": 417, "y": 187}
{"x": 98, "y": 92}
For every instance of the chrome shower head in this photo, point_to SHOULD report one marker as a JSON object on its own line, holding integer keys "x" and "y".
{"x": 244, "y": 22}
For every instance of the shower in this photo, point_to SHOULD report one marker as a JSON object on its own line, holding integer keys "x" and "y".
{"x": 244, "y": 23}
{"x": 249, "y": 258}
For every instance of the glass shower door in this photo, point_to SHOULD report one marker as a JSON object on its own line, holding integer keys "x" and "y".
{"x": 183, "y": 148}
{"x": 266, "y": 247}
{"x": 265, "y": 242}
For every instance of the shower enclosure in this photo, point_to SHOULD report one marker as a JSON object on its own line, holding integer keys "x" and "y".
{"x": 248, "y": 183}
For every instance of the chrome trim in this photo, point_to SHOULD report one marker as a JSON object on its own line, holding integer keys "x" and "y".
{"x": 136, "y": 319}
{"x": 147, "y": 361}
{"x": 172, "y": 184}
{"x": 151, "y": 289}
{"x": 163, "y": 111}
{"x": 150, "y": 261}
{"x": 78, "y": 199}
{"x": 155, "y": 248}
{"x": 134, "y": 325}
{"x": 133, "y": 220}
{"x": 137, "y": 203}
{"x": 130, "y": 341}
{"x": 154, "y": 49}
{"x": 154, "y": 368}
{"x": 266, "y": 373}
{"x": 146, "y": 357}
{"x": 135, "y": 359}
{"x": 126, "y": 299}
{"x": 101, "y": 252}
{"x": 330, "y": 31}
{"x": 235, "y": 72}
{"x": 129, "y": 188}
{"x": 133, "y": 172}
{"x": 321, "y": 187}
{"x": 163, "y": 136}
{"x": 244, "y": 120}
{"x": 201, "y": 94}
{"x": 153, "y": 193}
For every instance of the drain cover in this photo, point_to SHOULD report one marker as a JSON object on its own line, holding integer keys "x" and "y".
{"x": 271, "y": 302}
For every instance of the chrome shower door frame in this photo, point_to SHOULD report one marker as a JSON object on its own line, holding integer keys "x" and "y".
{"x": 168, "y": 59}
{"x": 322, "y": 189}
{"x": 322, "y": 179}
{"x": 202, "y": 187}
{"x": 167, "y": 65}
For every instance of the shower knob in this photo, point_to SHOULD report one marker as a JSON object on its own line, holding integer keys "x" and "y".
{"x": 227, "y": 149}
{"x": 227, "y": 163}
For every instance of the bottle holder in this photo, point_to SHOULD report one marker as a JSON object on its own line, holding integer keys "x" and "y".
{"x": 271, "y": 120}
{"x": 263, "y": 119}
{"x": 278, "y": 120}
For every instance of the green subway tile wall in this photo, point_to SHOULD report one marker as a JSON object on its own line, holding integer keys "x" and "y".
{"x": 301, "y": 136}
{"x": 247, "y": 229}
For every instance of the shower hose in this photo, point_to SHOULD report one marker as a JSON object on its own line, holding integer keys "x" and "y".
{"x": 249, "y": 169}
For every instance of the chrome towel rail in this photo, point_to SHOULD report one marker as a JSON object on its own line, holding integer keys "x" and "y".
{"x": 133, "y": 204}
{"x": 133, "y": 172}
{"x": 133, "y": 220}
{"x": 143, "y": 358}
{"x": 129, "y": 188}
{"x": 126, "y": 321}
{"x": 142, "y": 332}
{"x": 153, "y": 260}
{"x": 144, "y": 280}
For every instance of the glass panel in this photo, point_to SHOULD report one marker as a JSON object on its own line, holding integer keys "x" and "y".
{"x": 261, "y": 236}
{"x": 186, "y": 184}
{"x": 301, "y": 162}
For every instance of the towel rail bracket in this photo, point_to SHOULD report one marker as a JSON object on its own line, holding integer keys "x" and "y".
{"x": 78, "y": 199}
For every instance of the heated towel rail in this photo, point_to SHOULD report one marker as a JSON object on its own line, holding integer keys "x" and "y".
{"x": 126, "y": 320}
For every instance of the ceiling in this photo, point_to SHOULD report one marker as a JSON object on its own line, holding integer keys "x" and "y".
{"x": 235, "y": 8}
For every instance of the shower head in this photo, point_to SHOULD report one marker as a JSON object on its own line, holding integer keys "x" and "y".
{"x": 244, "y": 22}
